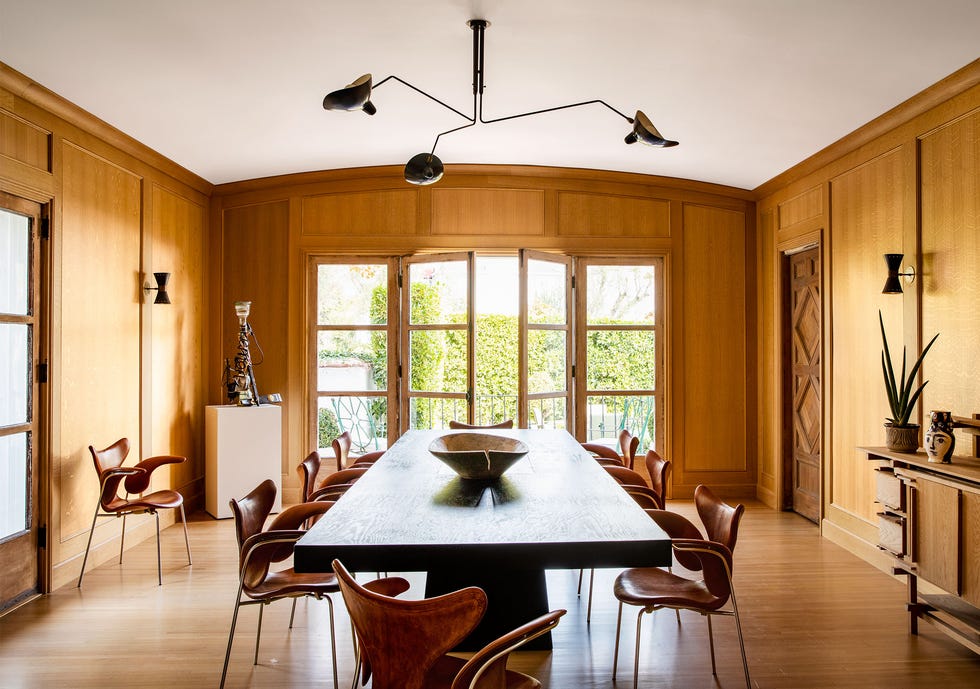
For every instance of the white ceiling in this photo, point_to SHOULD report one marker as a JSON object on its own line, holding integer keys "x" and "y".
{"x": 232, "y": 89}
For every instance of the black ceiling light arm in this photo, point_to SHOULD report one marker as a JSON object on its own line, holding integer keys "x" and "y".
{"x": 426, "y": 168}
{"x": 429, "y": 96}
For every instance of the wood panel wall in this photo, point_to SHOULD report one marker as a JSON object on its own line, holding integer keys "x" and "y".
{"x": 907, "y": 182}
{"x": 266, "y": 231}
{"x": 119, "y": 366}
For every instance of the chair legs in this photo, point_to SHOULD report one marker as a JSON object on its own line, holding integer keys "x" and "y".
{"x": 122, "y": 542}
{"x": 711, "y": 642}
{"x": 258, "y": 634}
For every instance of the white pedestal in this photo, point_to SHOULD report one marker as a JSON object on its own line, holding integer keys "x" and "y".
{"x": 244, "y": 448}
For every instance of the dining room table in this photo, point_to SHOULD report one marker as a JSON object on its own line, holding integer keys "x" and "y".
{"x": 556, "y": 508}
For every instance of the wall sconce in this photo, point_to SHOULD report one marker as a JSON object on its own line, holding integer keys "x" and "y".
{"x": 161, "y": 289}
{"x": 892, "y": 284}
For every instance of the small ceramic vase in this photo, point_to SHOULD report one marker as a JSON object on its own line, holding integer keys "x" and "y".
{"x": 939, "y": 439}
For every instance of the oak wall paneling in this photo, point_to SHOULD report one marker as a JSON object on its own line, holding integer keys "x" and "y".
{"x": 25, "y": 142}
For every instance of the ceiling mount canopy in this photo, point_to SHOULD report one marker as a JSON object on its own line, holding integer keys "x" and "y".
{"x": 427, "y": 168}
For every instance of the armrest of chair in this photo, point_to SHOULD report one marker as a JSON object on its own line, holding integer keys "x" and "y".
{"x": 490, "y": 662}
{"x": 603, "y": 452}
{"x": 294, "y": 516}
{"x": 329, "y": 493}
{"x": 138, "y": 483}
{"x": 366, "y": 458}
{"x": 717, "y": 578}
{"x": 388, "y": 586}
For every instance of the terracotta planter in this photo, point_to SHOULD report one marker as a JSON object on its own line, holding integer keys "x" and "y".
{"x": 902, "y": 438}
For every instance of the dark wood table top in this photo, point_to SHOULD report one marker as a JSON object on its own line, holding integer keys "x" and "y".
{"x": 555, "y": 508}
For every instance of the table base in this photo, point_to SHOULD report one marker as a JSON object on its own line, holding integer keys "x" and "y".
{"x": 514, "y": 598}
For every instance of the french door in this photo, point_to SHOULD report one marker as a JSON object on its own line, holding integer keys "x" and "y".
{"x": 19, "y": 441}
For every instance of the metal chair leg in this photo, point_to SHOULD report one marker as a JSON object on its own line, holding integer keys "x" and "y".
{"x": 159, "y": 554}
{"x": 711, "y": 643}
{"x": 258, "y": 635}
{"x": 579, "y": 591}
{"x": 741, "y": 643}
{"x": 122, "y": 538}
{"x": 187, "y": 542}
{"x": 636, "y": 651}
{"x": 619, "y": 621}
{"x": 333, "y": 642}
{"x": 87, "y": 546}
{"x": 292, "y": 613}
{"x": 588, "y": 616}
{"x": 231, "y": 636}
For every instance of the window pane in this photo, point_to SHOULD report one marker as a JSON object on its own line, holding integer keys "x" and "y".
{"x": 546, "y": 361}
{"x": 546, "y": 292}
{"x": 435, "y": 412}
{"x": 496, "y": 356}
{"x": 492, "y": 409}
{"x": 621, "y": 360}
{"x": 352, "y": 360}
{"x": 621, "y": 295}
{"x": 14, "y": 349}
{"x": 13, "y": 484}
{"x": 438, "y": 360}
{"x": 364, "y": 418}
{"x": 438, "y": 292}
{"x": 607, "y": 415}
{"x": 352, "y": 294}
{"x": 15, "y": 257}
{"x": 548, "y": 412}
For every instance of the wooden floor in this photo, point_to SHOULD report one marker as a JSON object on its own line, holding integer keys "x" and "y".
{"x": 813, "y": 616}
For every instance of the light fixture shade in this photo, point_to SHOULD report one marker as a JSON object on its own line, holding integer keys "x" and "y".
{"x": 424, "y": 168}
{"x": 646, "y": 133}
{"x": 892, "y": 284}
{"x": 354, "y": 96}
{"x": 163, "y": 297}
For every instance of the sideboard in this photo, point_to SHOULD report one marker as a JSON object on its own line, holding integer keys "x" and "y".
{"x": 930, "y": 524}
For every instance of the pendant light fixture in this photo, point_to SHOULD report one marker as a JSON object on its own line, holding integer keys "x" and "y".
{"x": 427, "y": 168}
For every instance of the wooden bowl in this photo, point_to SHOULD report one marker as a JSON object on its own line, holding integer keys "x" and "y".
{"x": 478, "y": 456}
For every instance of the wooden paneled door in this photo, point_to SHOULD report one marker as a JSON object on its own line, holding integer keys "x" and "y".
{"x": 804, "y": 397}
{"x": 20, "y": 572}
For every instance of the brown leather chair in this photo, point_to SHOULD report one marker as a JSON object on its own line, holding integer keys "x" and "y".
{"x": 509, "y": 423}
{"x": 337, "y": 483}
{"x": 258, "y": 584}
{"x": 313, "y": 488}
{"x": 604, "y": 454}
{"x": 341, "y": 451}
{"x": 652, "y": 588}
{"x": 627, "y": 447}
{"x": 403, "y": 643}
{"x": 135, "y": 480}
{"x": 658, "y": 468}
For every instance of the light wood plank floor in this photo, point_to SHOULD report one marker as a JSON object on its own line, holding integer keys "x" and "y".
{"x": 813, "y": 615}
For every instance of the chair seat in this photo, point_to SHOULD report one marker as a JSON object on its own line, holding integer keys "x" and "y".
{"x": 447, "y": 667}
{"x": 286, "y": 582}
{"x": 159, "y": 500}
{"x": 645, "y": 586}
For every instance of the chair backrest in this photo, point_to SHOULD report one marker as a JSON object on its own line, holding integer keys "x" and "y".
{"x": 658, "y": 468}
{"x": 111, "y": 457}
{"x": 644, "y": 497}
{"x": 343, "y": 476}
{"x": 402, "y": 639}
{"x": 251, "y": 511}
{"x": 627, "y": 447}
{"x": 509, "y": 423}
{"x": 308, "y": 470}
{"x": 602, "y": 452}
{"x": 720, "y": 520}
{"x": 341, "y": 449}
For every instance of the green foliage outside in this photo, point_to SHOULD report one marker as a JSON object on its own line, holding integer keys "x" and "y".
{"x": 327, "y": 427}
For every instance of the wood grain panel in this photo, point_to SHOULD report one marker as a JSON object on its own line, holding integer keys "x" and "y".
{"x": 950, "y": 206}
{"x": 382, "y": 212}
{"x": 866, "y": 222}
{"x": 487, "y": 211}
{"x": 599, "y": 215}
{"x": 255, "y": 268}
{"x": 807, "y": 205}
{"x": 970, "y": 548}
{"x": 23, "y": 141}
{"x": 937, "y": 547}
{"x": 714, "y": 340}
{"x": 769, "y": 453}
{"x": 100, "y": 325}
{"x": 177, "y": 335}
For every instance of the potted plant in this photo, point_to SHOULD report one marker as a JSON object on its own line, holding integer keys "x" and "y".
{"x": 900, "y": 435}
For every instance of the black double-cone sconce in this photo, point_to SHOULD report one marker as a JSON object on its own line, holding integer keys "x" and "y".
{"x": 163, "y": 297}
{"x": 892, "y": 283}
{"x": 427, "y": 168}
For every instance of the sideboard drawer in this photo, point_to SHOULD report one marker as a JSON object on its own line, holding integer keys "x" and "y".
{"x": 888, "y": 490}
{"x": 891, "y": 533}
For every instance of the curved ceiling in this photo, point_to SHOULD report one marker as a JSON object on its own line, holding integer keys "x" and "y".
{"x": 232, "y": 89}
